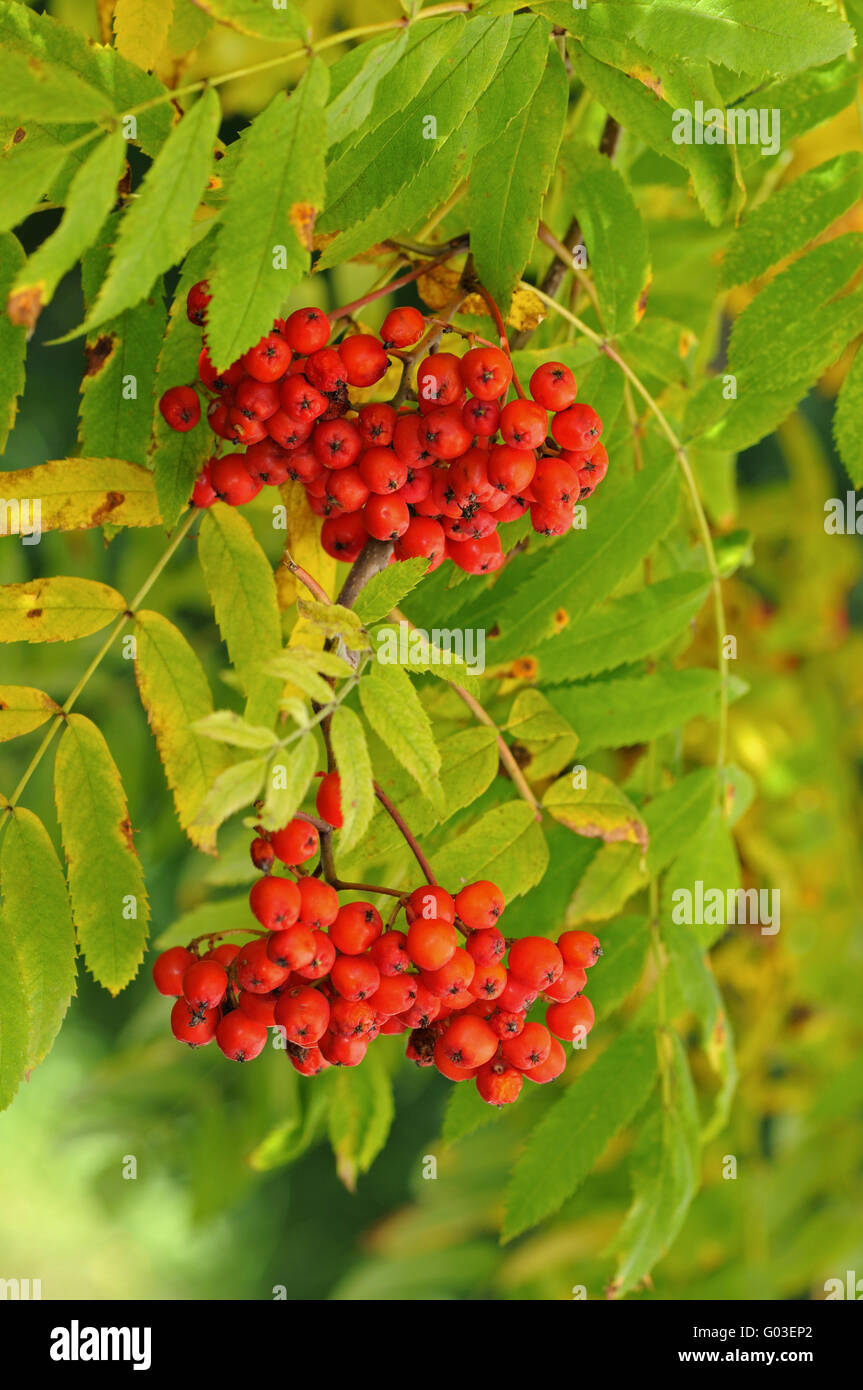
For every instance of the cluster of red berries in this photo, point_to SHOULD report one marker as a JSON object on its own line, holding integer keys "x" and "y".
{"x": 331, "y": 978}
{"x": 436, "y": 480}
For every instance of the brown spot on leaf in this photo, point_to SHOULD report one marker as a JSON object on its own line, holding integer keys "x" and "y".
{"x": 561, "y": 619}
{"x": 34, "y": 613}
{"x": 19, "y": 135}
{"x": 522, "y": 755}
{"x": 112, "y": 501}
{"x": 24, "y": 307}
{"x": 302, "y": 216}
{"x": 214, "y": 182}
{"x": 524, "y": 668}
{"x": 126, "y": 832}
{"x": 97, "y": 354}
{"x": 641, "y": 306}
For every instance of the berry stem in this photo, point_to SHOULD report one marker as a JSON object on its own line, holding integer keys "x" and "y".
{"x": 518, "y": 778}
{"x": 504, "y": 340}
{"x": 380, "y": 291}
{"x": 399, "y": 820}
{"x": 226, "y": 931}
{"x": 426, "y": 344}
{"x": 288, "y": 562}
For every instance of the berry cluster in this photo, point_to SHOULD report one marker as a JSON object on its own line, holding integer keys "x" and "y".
{"x": 332, "y": 978}
{"x": 436, "y": 478}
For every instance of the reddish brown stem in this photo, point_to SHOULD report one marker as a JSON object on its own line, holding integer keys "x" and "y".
{"x": 415, "y": 274}
{"x": 504, "y": 340}
{"x": 407, "y": 833}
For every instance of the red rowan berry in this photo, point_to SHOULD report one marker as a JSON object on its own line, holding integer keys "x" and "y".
{"x": 429, "y": 902}
{"x": 535, "y": 961}
{"x": 256, "y": 399}
{"x": 571, "y": 1020}
{"x": 355, "y": 927}
{"x": 267, "y": 462}
{"x": 488, "y": 982}
{"x": 579, "y": 427}
{"x": 268, "y": 359}
{"x": 304, "y": 1014}
{"x": 402, "y": 327}
{"x": 479, "y": 905}
{"x": 218, "y": 416}
{"x": 240, "y": 1037}
{"x": 196, "y": 302}
{"x": 529, "y": 1049}
{"x": 579, "y": 948}
{"x": 486, "y": 372}
{"x": 382, "y": 470}
{"x": 307, "y": 330}
{"x": 477, "y": 556}
{"x": 386, "y": 518}
{"x": 244, "y": 429}
{"x": 231, "y": 480}
{"x": 191, "y": 1027}
{"x": 204, "y": 985}
{"x": 343, "y": 536}
{"x": 343, "y": 1052}
{"x": 292, "y": 948}
{"x": 319, "y": 903}
{"x": 524, "y": 424}
{"x": 346, "y": 490}
{"x": 203, "y": 493}
{"x": 499, "y": 1084}
{"x": 512, "y": 509}
{"x": 450, "y": 979}
{"x": 481, "y": 417}
{"x": 180, "y": 408}
{"x": 393, "y": 1025}
{"x": 224, "y": 954}
{"x": 324, "y": 957}
{"x": 355, "y": 977}
{"x": 328, "y": 801}
{"x": 511, "y": 470}
{"x": 425, "y": 1008}
{"x": 376, "y": 424}
{"x": 478, "y": 525}
{"x": 308, "y": 1061}
{"x": 394, "y": 994}
{"x": 439, "y": 379}
{"x": 351, "y": 1018}
{"x": 553, "y": 386}
{"x": 486, "y": 945}
{"x": 409, "y": 442}
{"x": 389, "y": 953}
{"x": 218, "y": 381}
{"x": 364, "y": 358}
{"x": 468, "y": 478}
{"x": 571, "y": 982}
{"x": 469, "y": 1042}
{"x": 445, "y": 432}
{"x": 296, "y": 842}
{"x": 555, "y": 483}
{"x": 506, "y": 1023}
{"x": 288, "y": 432}
{"x": 326, "y": 370}
{"x": 425, "y": 539}
{"x": 260, "y": 1007}
{"x": 169, "y": 969}
{"x": 448, "y": 1068}
{"x": 337, "y": 443}
{"x": 275, "y": 902}
{"x": 551, "y": 521}
{"x": 255, "y": 971}
{"x": 300, "y": 399}
{"x": 551, "y": 1068}
{"x": 431, "y": 942}
{"x": 517, "y": 997}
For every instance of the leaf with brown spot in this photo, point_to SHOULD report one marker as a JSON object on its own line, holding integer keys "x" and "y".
{"x": 25, "y": 306}
{"x": 56, "y": 609}
{"x": 75, "y": 494}
{"x": 302, "y": 218}
{"x": 97, "y": 354}
{"x": 599, "y": 810}
{"x": 13, "y": 339}
{"x": 23, "y": 708}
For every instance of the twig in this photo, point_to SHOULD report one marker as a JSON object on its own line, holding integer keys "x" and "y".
{"x": 506, "y": 756}
{"x": 406, "y": 832}
{"x": 372, "y": 558}
{"x": 288, "y": 562}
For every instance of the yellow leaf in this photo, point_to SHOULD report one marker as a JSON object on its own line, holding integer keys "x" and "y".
{"x": 141, "y": 29}
{"x": 303, "y": 542}
{"x": 23, "y": 709}
{"x": 56, "y": 609}
{"x": 439, "y": 285}
{"x": 74, "y": 494}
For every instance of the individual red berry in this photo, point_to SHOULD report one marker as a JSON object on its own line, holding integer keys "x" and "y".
{"x": 275, "y": 902}
{"x": 287, "y": 432}
{"x": 203, "y": 493}
{"x": 439, "y": 380}
{"x": 328, "y": 801}
{"x": 323, "y": 960}
{"x": 355, "y": 927}
{"x": 506, "y": 1023}
{"x": 499, "y": 1084}
{"x": 351, "y": 1018}
{"x": 409, "y": 442}
{"x": 513, "y": 508}
{"x": 593, "y": 470}
{"x": 402, "y": 327}
{"x": 231, "y": 480}
{"x": 343, "y": 1052}
{"x": 489, "y": 981}
{"x": 579, "y": 948}
{"x": 524, "y": 424}
{"x": 416, "y": 487}
{"x": 225, "y": 954}
{"x": 551, "y": 1068}
{"x": 326, "y": 370}
{"x": 431, "y": 942}
{"x": 486, "y": 372}
{"x": 551, "y": 521}
{"x": 393, "y": 1025}
{"x": 382, "y": 470}
{"x": 469, "y": 1042}
{"x": 244, "y": 429}
{"x": 296, "y": 842}
{"x": 337, "y": 443}
{"x": 469, "y": 480}
{"x": 292, "y": 948}
{"x": 218, "y": 381}
{"x": 477, "y": 556}
{"x": 425, "y": 1008}
{"x": 555, "y": 483}
{"x": 450, "y": 979}
{"x": 449, "y": 1069}
{"x": 477, "y": 526}
{"x": 240, "y": 1037}
{"x": 346, "y": 490}
{"x": 570, "y": 1021}
{"x": 180, "y": 408}
{"x": 395, "y": 994}
{"x": 307, "y": 330}
{"x": 389, "y": 953}
{"x": 355, "y": 977}
{"x": 189, "y": 1026}
{"x": 511, "y": 470}
{"x": 479, "y": 905}
{"x": 423, "y": 539}
{"x": 487, "y": 946}
{"x": 481, "y": 417}
{"x": 517, "y": 997}
{"x": 255, "y": 971}
{"x": 535, "y": 961}
{"x": 364, "y": 358}
{"x": 169, "y": 969}
{"x": 196, "y": 302}
{"x": 303, "y": 1013}
{"x": 430, "y": 901}
{"x": 579, "y": 427}
{"x": 319, "y": 903}
{"x": 268, "y": 359}
{"x": 529, "y": 1049}
{"x": 299, "y": 399}
{"x": 553, "y": 386}
{"x": 445, "y": 432}
{"x": 204, "y": 985}
{"x": 256, "y": 399}
{"x": 376, "y": 424}
{"x": 261, "y": 852}
{"x": 571, "y": 982}
{"x": 308, "y": 1061}
{"x": 260, "y": 1007}
{"x": 386, "y": 518}
{"x": 344, "y": 535}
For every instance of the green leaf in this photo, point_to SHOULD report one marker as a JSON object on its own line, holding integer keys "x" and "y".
{"x": 509, "y": 179}
{"x": 599, "y": 810}
{"x": 442, "y": 652}
{"x": 175, "y": 693}
{"x": 294, "y": 1135}
{"x": 573, "y": 1134}
{"x": 92, "y": 194}
{"x": 848, "y": 422}
{"x": 264, "y": 237}
{"x": 27, "y": 170}
{"x": 78, "y": 493}
{"x": 622, "y": 631}
{"x": 609, "y": 219}
{"x": 466, "y": 1112}
{"x": 288, "y": 667}
{"x": 588, "y": 565}
{"x": 617, "y": 713}
{"x": 506, "y": 845}
{"x": 23, "y": 709}
{"x": 235, "y": 789}
{"x": 625, "y": 943}
{"x": 154, "y": 233}
{"x": 710, "y": 856}
{"x": 664, "y": 1178}
{"x": 121, "y": 359}
{"x": 386, "y": 589}
{"x": 695, "y": 979}
{"x": 393, "y": 709}
{"x": 355, "y": 81}
{"x": 216, "y": 917}
{"x": 57, "y": 609}
{"x": 355, "y": 776}
{"x": 225, "y": 726}
{"x": 31, "y": 89}
{"x": 38, "y": 944}
{"x": 260, "y": 18}
{"x": 543, "y": 742}
{"x": 106, "y": 882}
{"x": 361, "y": 1114}
{"x": 288, "y": 777}
{"x": 243, "y": 593}
{"x": 334, "y": 620}
{"x": 13, "y": 339}
{"x": 792, "y": 217}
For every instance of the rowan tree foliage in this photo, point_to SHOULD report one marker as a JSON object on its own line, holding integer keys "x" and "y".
{"x": 516, "y": 173}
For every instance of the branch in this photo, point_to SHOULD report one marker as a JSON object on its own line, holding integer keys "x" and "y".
{"x": 406, "y": 832}
{"x": 506, "y": 755}
{"x": 373, "y": 557}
